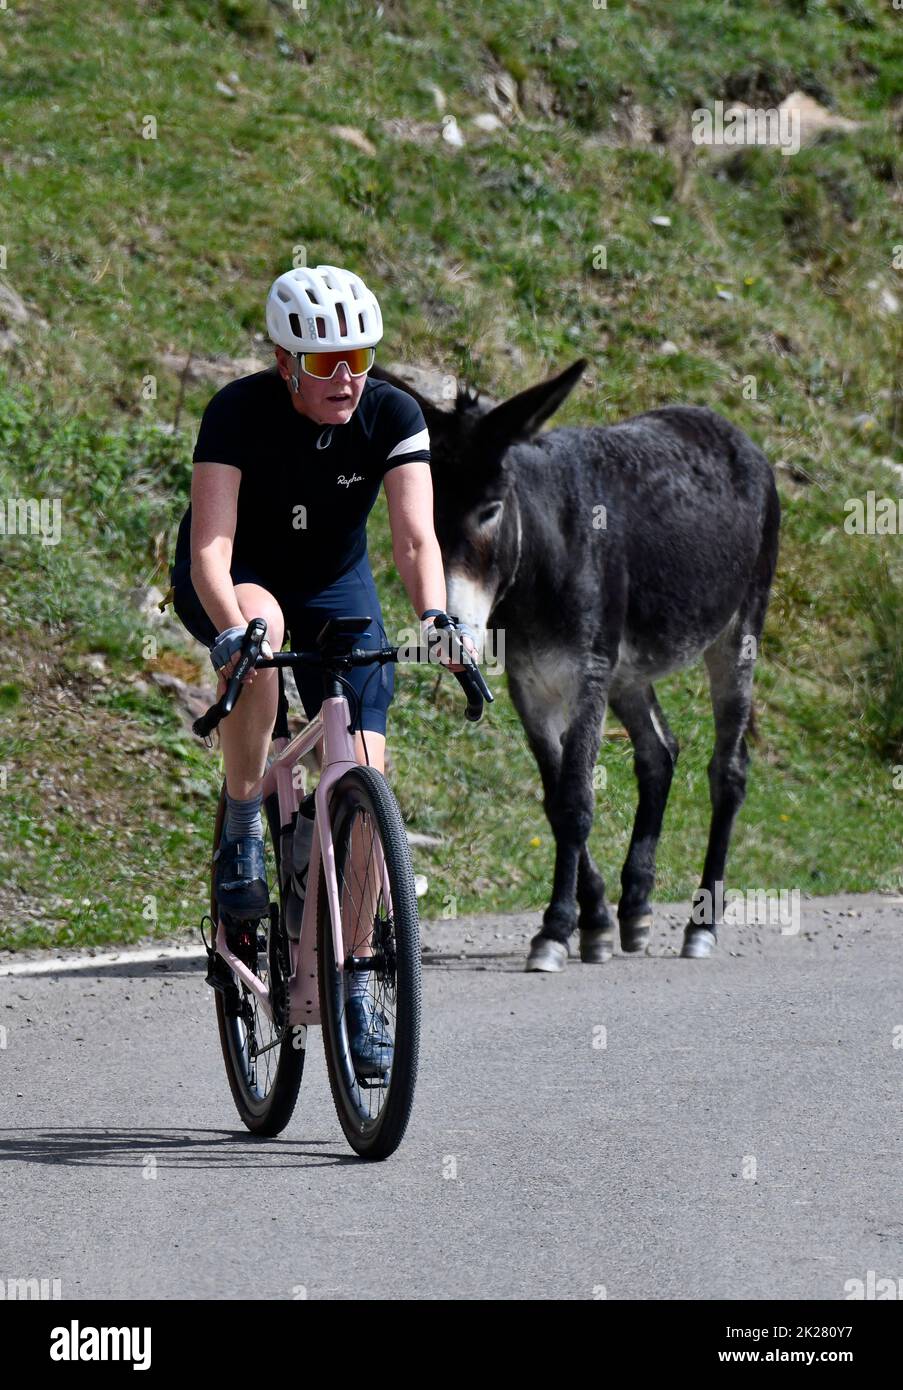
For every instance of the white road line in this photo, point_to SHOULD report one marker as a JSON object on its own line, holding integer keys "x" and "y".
{"x": 104, "y": 958}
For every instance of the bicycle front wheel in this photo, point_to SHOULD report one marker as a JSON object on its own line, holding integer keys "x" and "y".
{"x": 372, "y": 1071}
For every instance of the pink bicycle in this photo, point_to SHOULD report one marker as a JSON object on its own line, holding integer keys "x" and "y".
{"x": 357, "y": 914}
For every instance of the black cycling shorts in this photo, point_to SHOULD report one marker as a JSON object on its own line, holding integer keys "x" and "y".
{"x": 352, "y": 594}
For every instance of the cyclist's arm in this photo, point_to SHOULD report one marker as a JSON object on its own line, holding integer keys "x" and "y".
{"x": 214, "y": 511}
{"x": 415, "y": 549}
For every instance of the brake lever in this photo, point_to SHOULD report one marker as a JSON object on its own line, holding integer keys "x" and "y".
{"x": 471, "y": 667}
{"x": 250, "y": 651}
{"x": 470, "y": 679}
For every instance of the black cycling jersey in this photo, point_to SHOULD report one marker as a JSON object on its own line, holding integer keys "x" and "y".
{"x": 306, "y": 489}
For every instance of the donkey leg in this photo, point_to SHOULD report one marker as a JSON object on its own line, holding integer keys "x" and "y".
{"x": 731, "y": 668}
{"x": 596, "y": 924}
{"x": 594, "y": 921}
{"x": 570, "y": 813}
{"x": 655, "y": 751}
{"x": 543, "y": 722}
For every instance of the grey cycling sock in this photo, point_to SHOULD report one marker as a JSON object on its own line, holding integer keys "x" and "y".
{"x": 243, "y": 818}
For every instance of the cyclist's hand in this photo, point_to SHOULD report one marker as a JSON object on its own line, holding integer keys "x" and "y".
{"x": 465, "y": 638}
{"x": 469, "y": 647}
{"x": 226, "y": 653}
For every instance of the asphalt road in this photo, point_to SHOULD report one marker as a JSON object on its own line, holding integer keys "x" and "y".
{"x": 737, "y": 1136}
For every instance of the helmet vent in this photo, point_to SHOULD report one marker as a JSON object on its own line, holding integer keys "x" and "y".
{"x": 321, "y": 328}
{"x": 295, "y": 325}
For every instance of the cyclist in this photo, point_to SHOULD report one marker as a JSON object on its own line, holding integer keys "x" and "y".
{"x": 287, "y": 467}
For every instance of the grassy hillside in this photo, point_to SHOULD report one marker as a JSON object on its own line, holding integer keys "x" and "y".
{"x": 773, "y": 288}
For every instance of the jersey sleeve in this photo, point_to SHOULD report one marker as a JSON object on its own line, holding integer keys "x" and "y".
{"x": 404, "y": 436}
{"x": 221, "y": 437}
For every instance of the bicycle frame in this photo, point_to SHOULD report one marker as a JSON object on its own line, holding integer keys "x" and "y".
{"x": 330, "y": 728}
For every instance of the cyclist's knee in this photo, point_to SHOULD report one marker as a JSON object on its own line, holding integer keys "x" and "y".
{"x": 256, "y": 602}
{"x": 375, "y": 753}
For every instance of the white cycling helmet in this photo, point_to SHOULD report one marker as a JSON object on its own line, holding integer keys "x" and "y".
{"x": 303, "y": 310}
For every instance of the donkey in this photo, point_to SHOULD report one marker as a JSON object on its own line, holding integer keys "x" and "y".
{"x": 610, "y": 556}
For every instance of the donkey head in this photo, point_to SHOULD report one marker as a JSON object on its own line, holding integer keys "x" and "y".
{"x": 473, "y": 475}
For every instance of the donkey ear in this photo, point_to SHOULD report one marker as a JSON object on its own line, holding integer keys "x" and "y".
{"x": 435, "y": 418}
{"x": 523, "y": 414}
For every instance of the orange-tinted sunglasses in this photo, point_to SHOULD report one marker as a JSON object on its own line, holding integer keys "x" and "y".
{"x": 325, "y": 364}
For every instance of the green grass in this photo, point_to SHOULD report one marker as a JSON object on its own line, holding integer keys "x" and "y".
{"x": 126, "y": 249}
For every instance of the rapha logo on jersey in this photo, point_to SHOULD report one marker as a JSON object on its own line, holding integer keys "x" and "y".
{"x": 346, "y": 482}
{"x": 77, "y": 1343}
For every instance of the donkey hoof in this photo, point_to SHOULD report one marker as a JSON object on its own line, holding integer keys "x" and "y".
{"x": 698, "y": 944}
{"x": 635, "y": 933}
{"x": 595, "y": 945}
{"x": 546, "y": 954}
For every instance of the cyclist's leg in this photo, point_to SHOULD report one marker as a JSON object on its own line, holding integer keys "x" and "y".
{"x": 245, "y": 735}
{"x": 241, "y": 880}
{"x": 374, "y": 753}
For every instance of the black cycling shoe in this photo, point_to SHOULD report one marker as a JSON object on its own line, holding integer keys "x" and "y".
{"x": 240, "y": 882}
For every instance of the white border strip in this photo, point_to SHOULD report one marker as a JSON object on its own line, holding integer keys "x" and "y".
{"x": 103, "y": 958}
{"x": 411, "y": 445}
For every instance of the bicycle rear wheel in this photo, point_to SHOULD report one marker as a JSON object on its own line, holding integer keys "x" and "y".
{"x": 264, "y": 1059}
{"x": 373, "y": 1110}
